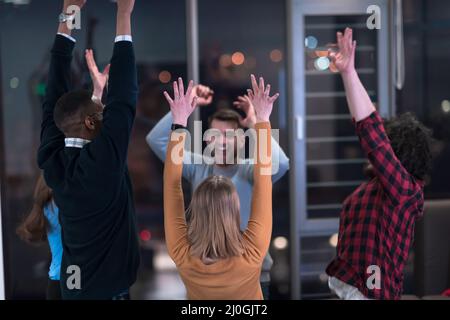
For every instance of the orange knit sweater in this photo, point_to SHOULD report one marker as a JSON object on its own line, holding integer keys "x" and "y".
{"x": 234, "y": 278}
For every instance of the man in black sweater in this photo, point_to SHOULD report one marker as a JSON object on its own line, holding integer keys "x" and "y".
{"x": 83, "y": 155}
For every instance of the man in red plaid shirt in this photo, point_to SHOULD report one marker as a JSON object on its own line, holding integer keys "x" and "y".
{"x": 377, "y": 220}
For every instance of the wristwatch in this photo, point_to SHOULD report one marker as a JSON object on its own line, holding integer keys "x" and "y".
{"x": 65, "y": 17}
{"x": 177, "y": 126}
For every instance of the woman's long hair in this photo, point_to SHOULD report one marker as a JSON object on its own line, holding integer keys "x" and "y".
{"x": 34, "y": 227}
{"x": 213, "y": 220}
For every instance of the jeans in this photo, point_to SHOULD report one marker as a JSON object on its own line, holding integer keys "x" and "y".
{"x": 265, "y": 287}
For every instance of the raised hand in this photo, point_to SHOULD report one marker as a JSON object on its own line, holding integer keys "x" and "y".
{"x": 261, "y": 100}
{"x": 79, "y": 3}
{"x": 125, "y": 6}
{"x": 203, "y": 93}
{"x": 344, "y": 59}
{"x": 182, "y": 105}
{"x": 99, "y": 79}
{"x": 243, "y": 103}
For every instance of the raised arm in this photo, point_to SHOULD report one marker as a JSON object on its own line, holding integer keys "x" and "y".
{"x": 358, "y": 100}
{"x": 158, "y": 137}
{"x": 395, "y": 179}
{"x": 259, "y": 229}
{"x": 175, "y": 227}
{"x": 111, "y": 145}
{"x": 58, "y": 83}
{"x": 280, "y": 162}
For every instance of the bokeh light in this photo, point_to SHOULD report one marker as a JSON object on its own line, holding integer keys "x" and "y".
{"x": 14, "y": 83}
{"x": 238, "y": 58}
{"x": 445, "y": 105}
{"x": 311, "y": 42}
{"x": 276, "y": 55}
{"x": 145, "y": 235}
{"x": 321, "y": 53}
{"x": 280, "y": 243}
{"x": 333, "y": 240}
{"x": 165, "y": 76}
{"x": 322, "y": 63}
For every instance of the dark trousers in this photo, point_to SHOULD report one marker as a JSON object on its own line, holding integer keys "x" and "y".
{"x": 53, "y": 290}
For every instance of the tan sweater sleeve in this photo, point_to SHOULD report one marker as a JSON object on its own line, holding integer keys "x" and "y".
{"x": 174, "y": 213}
{"x": 259, "y": 229}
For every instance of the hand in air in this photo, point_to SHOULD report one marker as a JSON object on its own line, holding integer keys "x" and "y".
{"x": 261, "y": 100}
{"x": 99, "y": 79}
{"x": 344, "y": 59}
{"x": 182, "y": 105}
{"x": 243, "y": 103}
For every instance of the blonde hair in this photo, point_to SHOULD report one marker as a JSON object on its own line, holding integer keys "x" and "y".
{"x": 213, "y": 220}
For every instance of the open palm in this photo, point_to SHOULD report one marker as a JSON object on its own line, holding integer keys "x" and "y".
{"x": 344, "y": 59}
{"x": 261, "y": 100}
{"x": 99, "y": 79}
{"x": 182, "y": 105}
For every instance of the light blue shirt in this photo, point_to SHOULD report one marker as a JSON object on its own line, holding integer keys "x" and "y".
{"x": 241, "y": 174}
{"x": 51, "y": 212}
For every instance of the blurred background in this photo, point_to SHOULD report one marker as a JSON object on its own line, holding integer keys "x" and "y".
{"x": 405, "y": 66}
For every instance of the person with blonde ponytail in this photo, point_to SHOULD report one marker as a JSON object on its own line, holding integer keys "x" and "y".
{"x": 41, "y": 225}
{"x": 214, "y": 258}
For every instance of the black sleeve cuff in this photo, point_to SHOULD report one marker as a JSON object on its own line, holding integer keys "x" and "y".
{"x": 63, "y": 45}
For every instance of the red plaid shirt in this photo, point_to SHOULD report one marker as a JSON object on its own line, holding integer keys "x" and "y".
{"x": 377, "y": 220}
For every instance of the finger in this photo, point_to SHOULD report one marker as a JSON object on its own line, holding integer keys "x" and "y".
{"x": 168, "y": 98}
{"x": 339, "y": 39}
{"x": 261, "y": 84}
{"x": 332, "y": 55}
{"x": 106, "y": 70}
{"x": 349, "y": 39}
{"x": 200, "y": 90}
{"x": 176, "y": 94}
{"x": 189, "y": 89}
{"x": 241, "y": 98}
{"x": 238, "y": 104}
{"x": 93, "y": 64}
{"x": 267, "y": 91}
{"x": 194, "y": 102}
{"x": 180, "y": 86}
{"x": 250, "y": 94}
{"x": 88, "y": 57}
{"x": 204, "y": 91}
{"x": 209, "y": 100}
{"x": 254, "y": 84}
{"x": 349, "y": 33}
{"x": 274, "y": 98}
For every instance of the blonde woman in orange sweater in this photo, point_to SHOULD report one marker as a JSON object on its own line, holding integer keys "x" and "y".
{"x": 215, "y": 259}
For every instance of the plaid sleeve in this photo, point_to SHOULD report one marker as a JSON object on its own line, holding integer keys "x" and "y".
{"x": 395, "y": 179}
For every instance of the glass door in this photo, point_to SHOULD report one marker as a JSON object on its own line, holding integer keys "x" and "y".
{"x": 328, "y": 161}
